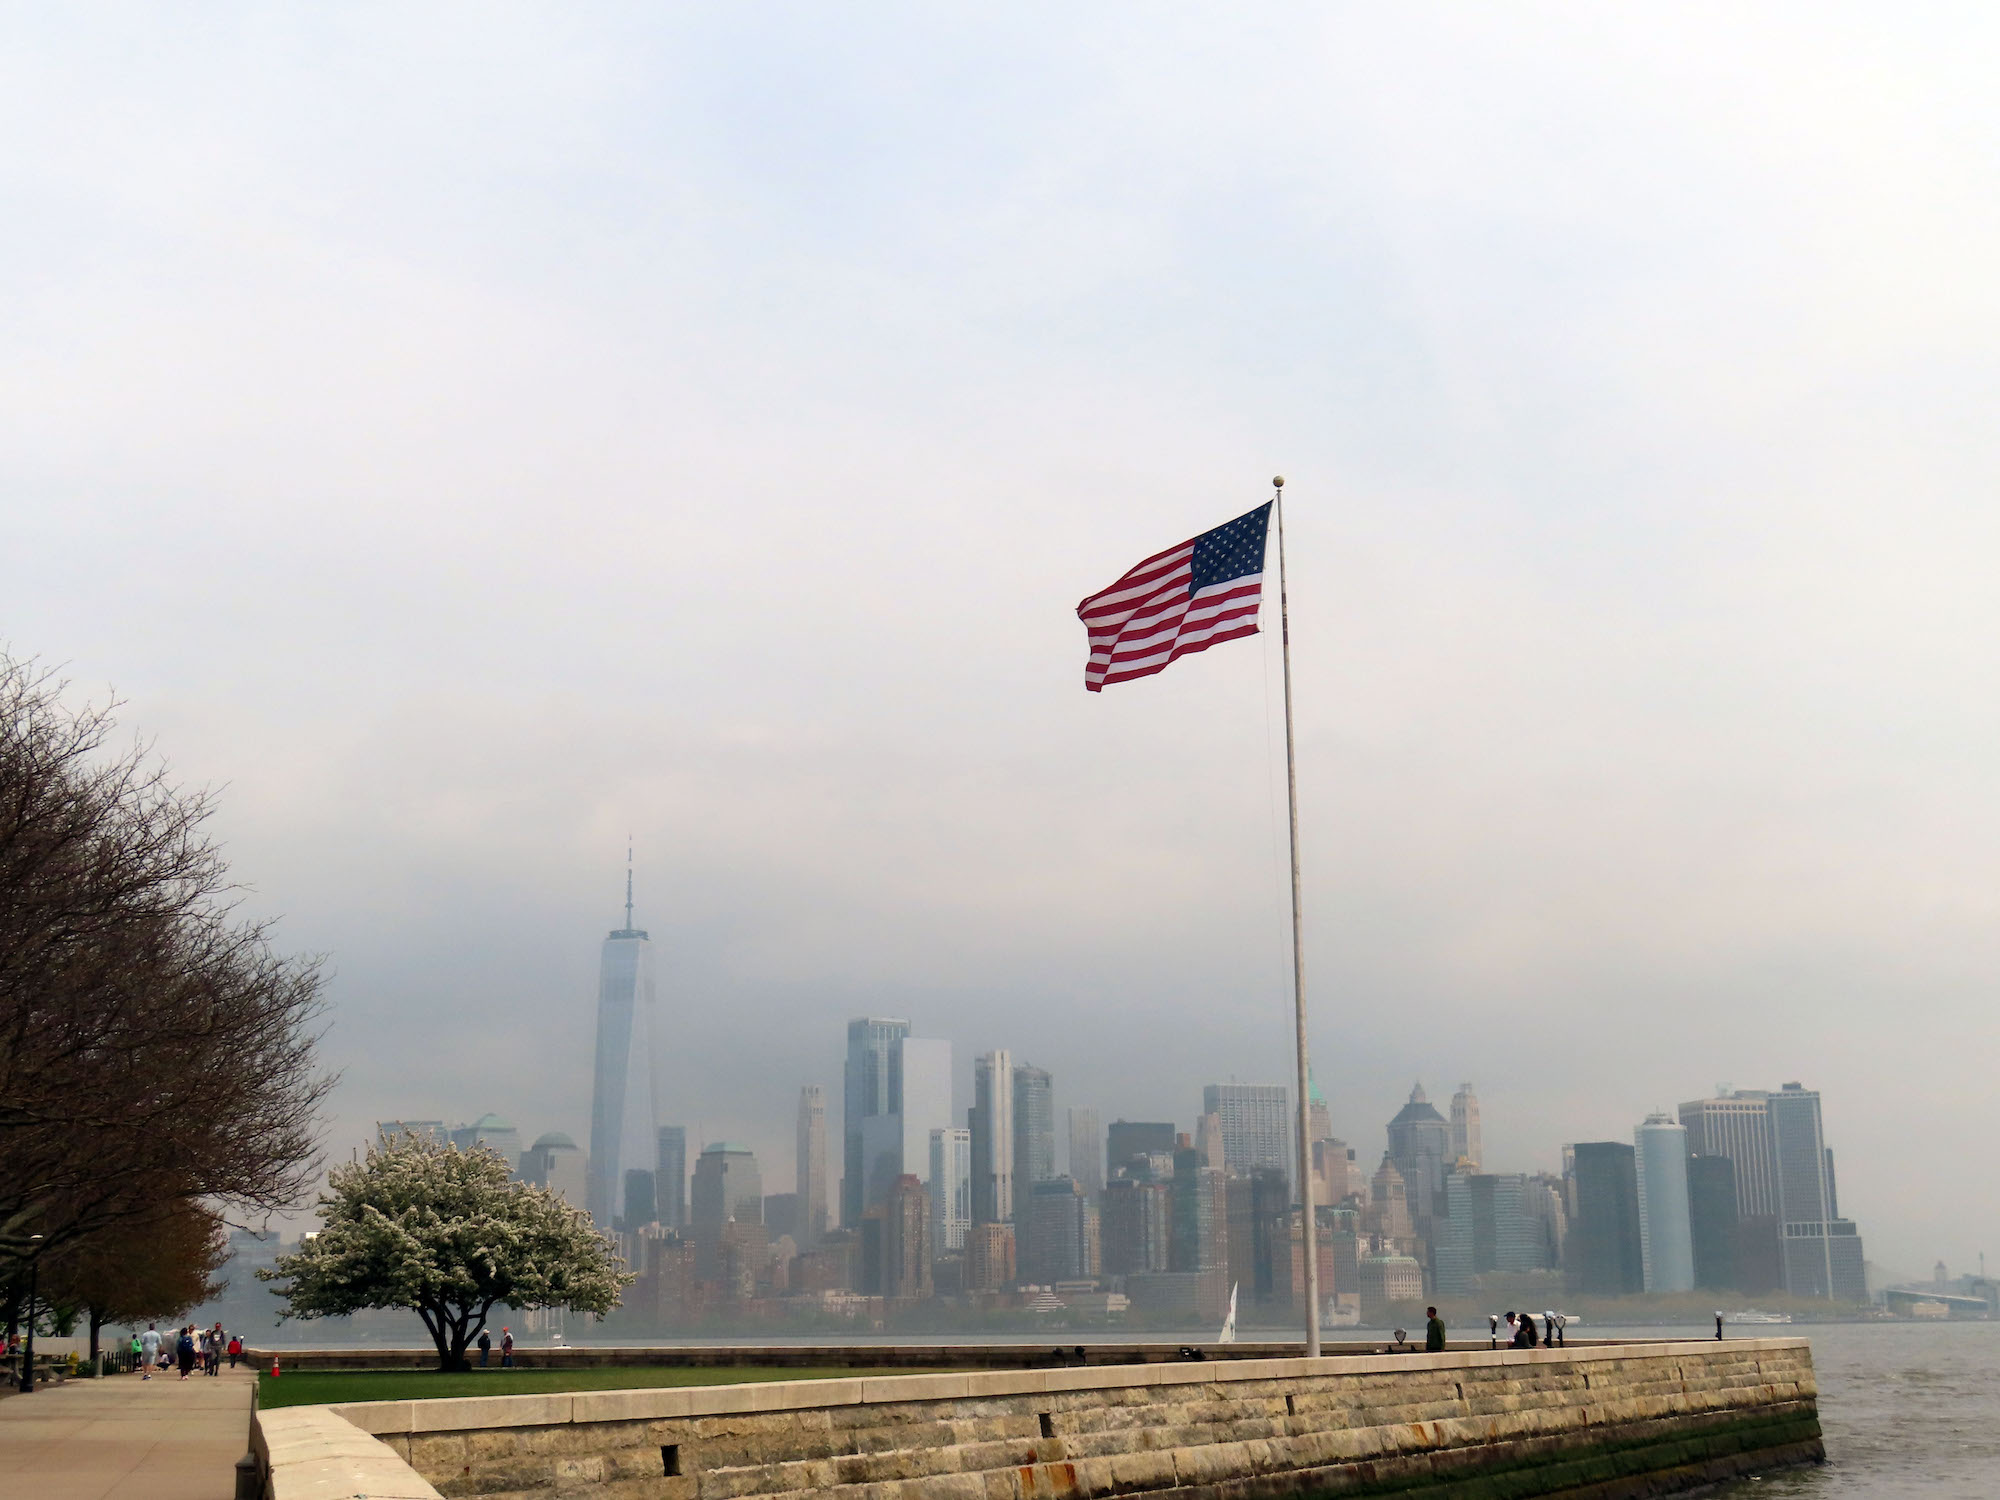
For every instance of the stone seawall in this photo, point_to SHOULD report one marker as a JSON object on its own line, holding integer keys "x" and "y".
{"x": 1607, "y": 1422}
{"x": 852, "y": 1356}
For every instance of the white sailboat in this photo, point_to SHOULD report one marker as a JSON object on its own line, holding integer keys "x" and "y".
{"x": 1228, "y": 1334}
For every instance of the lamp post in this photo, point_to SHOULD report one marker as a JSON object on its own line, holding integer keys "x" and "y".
{"x": 34, "y": 1287}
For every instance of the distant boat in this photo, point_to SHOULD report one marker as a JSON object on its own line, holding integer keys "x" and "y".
{"x": 1751, "y": 1315}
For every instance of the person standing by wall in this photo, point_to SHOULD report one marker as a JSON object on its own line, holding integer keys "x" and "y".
{"x": 485, "y": 1346}
{"x": 1433, "y": 1332}
{"x": 506, "y": 1348}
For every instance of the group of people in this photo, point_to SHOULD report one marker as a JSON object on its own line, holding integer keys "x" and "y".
{"x": 189, "y": 1348}
{"x": 1520, "y": 1333}
{"x": 506, "y": 1347}
{"x": 1516, "y": 1331}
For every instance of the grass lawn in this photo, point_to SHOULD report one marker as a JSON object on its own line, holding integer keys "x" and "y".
{"x": 317, "y": 1387}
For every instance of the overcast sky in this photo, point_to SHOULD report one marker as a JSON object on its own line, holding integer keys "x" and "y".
{"x": 471, "y": 434}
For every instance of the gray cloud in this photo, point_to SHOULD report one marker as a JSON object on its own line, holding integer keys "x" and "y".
{"x": 472, "y": 442}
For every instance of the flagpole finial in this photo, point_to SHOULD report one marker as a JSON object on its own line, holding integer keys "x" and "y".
{"x": 1277, "y": 481}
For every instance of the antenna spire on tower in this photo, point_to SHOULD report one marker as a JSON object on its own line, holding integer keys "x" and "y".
{"x": 628, "y": 882}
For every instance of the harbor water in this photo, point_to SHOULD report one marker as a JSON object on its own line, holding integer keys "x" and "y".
{"x": 1908, "y": 1409}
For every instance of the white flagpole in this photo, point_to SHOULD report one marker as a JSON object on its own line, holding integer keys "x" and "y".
{"x": 1310, "y": 1223}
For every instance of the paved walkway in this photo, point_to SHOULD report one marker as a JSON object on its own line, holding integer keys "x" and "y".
{"x": 158, "y": 1439}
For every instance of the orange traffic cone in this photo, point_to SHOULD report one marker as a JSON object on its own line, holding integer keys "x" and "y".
{"x": 275, "y": 1371}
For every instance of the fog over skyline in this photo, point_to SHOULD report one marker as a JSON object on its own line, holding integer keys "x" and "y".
{"x": 471, "y": 435}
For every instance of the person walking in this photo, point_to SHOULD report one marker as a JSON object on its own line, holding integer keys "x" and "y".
{"x": 138, "y": 1354}
{"x": 216, "y": 1340}
{"x": 184, "y": 1350}
{"x": 149, "y": 1344}
{"x": 235, "y": 1348}
{"x": 485, "y": 1346}
{"x": 506, "y": 1347}
{"x": 1433, "y": 1332}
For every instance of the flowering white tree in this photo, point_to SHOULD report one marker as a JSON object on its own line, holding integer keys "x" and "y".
{"x": 446, "y": 1233}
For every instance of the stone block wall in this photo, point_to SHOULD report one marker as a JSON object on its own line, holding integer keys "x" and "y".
{"x": 1610, "y": 1421}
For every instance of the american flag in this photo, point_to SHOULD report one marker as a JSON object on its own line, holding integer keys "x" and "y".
{"x": 1177, "y": 602}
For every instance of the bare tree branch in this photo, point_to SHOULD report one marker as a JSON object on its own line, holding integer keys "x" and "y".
{"x": 155, "y": 1050}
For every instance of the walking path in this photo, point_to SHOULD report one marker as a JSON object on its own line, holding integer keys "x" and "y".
{"x": 161, "y": 1439}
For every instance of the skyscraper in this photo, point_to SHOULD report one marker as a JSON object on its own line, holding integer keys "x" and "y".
{"x": 1822, "y": 1252}
{"x": 812, "y": 1165}
{"x": 873, "y": 1080}
{"x": 990, "y": 1122}
{"x": 1034, "y": 1135}
{"x": 989, "y": 1257}
{"x": 1334, "y": 1172}
{"x": 670, "y": 1174}
{"x": 1489, "y": 1224}
{"x": 1603, "y": 1251}
{"x": 1256, "y": 1126}
{"x": 1086, "y": 1152}
{"x": 1465, "y": 1143}
{"x": 639, "y": 1206}
{"x": 624, "y": 1106}
{"x": 1789, "y": 1234}
{"x": 727, "y": 1190}
{"x": 1199, "y": 1235}
{"x": 905, "y": 1243}
{"x": 1712, "y": 1220}
{"x": 950, "y": 1189}
{"x": 1319, "y": 1119}
{"x": 926, "y": 1101}
{"x": 1257, "y": 1208}
{"x": 555, "y": 1162}
{"x": 897, "y": 1142}
{"x": 1064, "y": 1237}
{"x": 1737, "y": 1124}
{"x": 1135, "y": 1226}
{"x": 727, "y": 1186}
{"x": 1666, "y": 1236}
{"x": 1132, "y": 1138}
{"x": 1208, "y": 1140}
{"x": 1387, "y": 1216}
{"x": 491, "y": 1133}
{"x": 1420, "y": 1146}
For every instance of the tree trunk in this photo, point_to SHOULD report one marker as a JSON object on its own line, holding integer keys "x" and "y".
{"x": 438, "y": 1324}
{"x": 96, "y": 1322}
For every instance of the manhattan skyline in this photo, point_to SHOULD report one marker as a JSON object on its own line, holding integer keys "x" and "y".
{"x": 565, "y": 444}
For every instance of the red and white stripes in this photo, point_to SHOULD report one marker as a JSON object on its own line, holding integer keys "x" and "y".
{"x": 1149, "y": 618}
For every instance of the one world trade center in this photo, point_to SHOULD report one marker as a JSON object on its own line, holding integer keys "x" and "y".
{"x": 624, "y": 1107}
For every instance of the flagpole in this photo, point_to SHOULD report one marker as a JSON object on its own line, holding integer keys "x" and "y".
{"x": 1308, "y": 1217}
